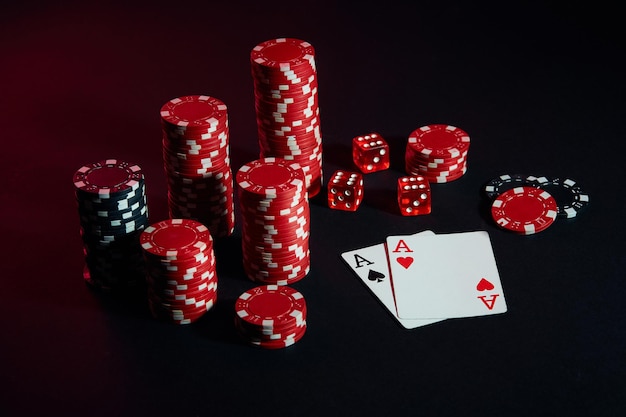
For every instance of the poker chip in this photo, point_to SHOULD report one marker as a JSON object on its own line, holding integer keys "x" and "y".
{"x": 524, "y": 210}
{"x": 275, "y": 221}
{"x": 113, "y": 211}
{"x": 569, "y": 196}
{"x": 437, "y": 152}
{"x": 180, "y": 269}
{"x": 287, "y": 106}
{"x": 197, "y": 162}
{"x": 271, "y": 316}
{"x": 505, "y": 182}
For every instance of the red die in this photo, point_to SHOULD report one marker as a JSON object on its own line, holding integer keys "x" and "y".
{"x": 345, "y": 191}
{"x": 370, "y": 153}
{"x": 413, "y": 195}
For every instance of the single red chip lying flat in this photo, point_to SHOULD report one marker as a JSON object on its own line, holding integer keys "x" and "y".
{"x": 524, "y": 210}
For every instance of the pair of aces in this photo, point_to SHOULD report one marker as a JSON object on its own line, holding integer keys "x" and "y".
{"x": 426, "y": 278}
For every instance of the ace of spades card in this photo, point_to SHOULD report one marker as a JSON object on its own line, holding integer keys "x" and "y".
{"x": 370, "y": 265}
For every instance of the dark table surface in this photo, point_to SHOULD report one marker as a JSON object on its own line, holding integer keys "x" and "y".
{"x": 539, "y": 88}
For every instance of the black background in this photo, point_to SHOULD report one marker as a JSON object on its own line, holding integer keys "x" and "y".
{"x": 538, "y": 86}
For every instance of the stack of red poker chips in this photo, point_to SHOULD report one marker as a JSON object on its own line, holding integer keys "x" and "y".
{"x": 437, "y": 152}
{"x": 287, "y": 108}
{"x": 197, "y": 162}
{"x": 275, "y": 221}
{"x": 271, "y": 316}
{"x": 112, "y": 205}
{"x": 180, "y": 264}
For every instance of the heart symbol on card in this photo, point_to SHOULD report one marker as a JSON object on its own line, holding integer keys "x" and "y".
{"x": 405, "y": 261}
{"x": 484, "y": 285}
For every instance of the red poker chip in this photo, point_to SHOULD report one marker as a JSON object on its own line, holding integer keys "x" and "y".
{"x": 309, "y": 144}
{"x": 439, "y": 140}
{"x": 287, "y": 73}
{"x": 167, "y": 287}
{"x": 194, "y": 112}
{"x": 108, "y": 177}
{"x": 441, "y": 179}
{"x": 277, "y": 278}
{"x": 287, "y": 141}
{"x": 279, "y": 344}
{"x": 524, "y": 210}
{"x": 177, "y": 285}
{"x": 273, "y": 232}
{"x": 284, "y": 235}
{"x": 430, "y": 162}
{"x": 206, "y": 158}
{"x": 270, "y": 177}
{"x": 285, "y": 93}
{"x": 283, "y": 54}
{"x": 209, "y": 139}
{"x": 175, "y": 238}
{"x": 177, "y": 315}
{"x": 180, "y": 273}
{"x": 273, "y": 335}
{"x": 293, "y": 250}
{"x": 412, "y": 154}
{"x": 280, "y": 213}
{"x": 272, "y": 328}
{"x": 195, "y": 298}
{"x": 196, "y": 151}
{"x": 441, "y": 172}
{"x": 184, "y": 310}
{"x": 270, "y": 305}
{"x": 296, "y": 124}
{"x": 304, "y": 107}
{"x": 278, "y": 270}
{"x": 268, "y": 335}
{"x": 284, "y": 265}
{"x": 276, "y": 233}
{"x": 286, "y": 270}
{"x": 276, "y": 214}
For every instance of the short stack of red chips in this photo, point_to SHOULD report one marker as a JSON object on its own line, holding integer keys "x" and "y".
{"x": 180, "y": 265}
{"x": 437, "y": 152}
{"x": 197, "y": 162}
{"x": 271, "y": 316}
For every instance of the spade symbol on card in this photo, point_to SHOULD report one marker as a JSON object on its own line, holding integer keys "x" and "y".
{"x": 484, "y": 285}
{"x": 375, "y": 276}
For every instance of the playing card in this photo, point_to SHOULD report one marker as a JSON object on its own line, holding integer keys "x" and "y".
{"x": 370, "y": 265}
{"x": 445, "y": 276}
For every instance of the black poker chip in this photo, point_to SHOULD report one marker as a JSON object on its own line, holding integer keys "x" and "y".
{"x": 113, "y": 211}
{"x": 569, "y": 196}
{"x": 496, "y": 186}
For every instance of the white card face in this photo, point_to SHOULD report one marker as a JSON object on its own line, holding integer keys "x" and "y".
{"x": 370, "y": 265}
{"x": 445, "y": 276}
